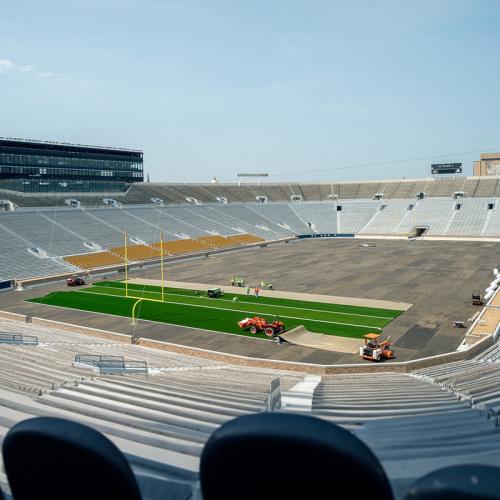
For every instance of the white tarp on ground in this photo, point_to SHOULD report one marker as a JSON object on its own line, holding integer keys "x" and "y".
{"x": 300, "y": 336}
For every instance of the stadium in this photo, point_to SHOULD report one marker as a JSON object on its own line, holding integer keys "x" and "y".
{"x": 161, "y": 383}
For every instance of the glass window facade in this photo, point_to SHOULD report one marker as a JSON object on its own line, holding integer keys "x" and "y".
{"x": 31, "y": 166}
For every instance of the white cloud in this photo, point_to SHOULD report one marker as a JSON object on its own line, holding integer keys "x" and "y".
{"x": 7, "y": 66}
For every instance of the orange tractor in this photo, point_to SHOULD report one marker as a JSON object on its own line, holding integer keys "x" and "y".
{"x": 75, "y": 281}
{"x": 373, "y": 350}
{"x": 262, "y": 325}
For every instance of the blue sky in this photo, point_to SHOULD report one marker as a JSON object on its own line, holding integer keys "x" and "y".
{"x": 303, "y": 90}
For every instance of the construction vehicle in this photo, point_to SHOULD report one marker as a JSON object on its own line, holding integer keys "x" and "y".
{"x": 75, "y": 281}
{"x": 373, "y": 350}
{"x": 257, "y": 324}
{"x": 214, "y": 292}
{"x": 458, "y": 324}
{"x": 477, "y": 299}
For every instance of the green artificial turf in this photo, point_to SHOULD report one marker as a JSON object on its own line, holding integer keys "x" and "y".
{"x": 369, "y": 311}
{"x": 183, "y": 307}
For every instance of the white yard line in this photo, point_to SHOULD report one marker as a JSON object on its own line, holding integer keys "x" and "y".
{"x": 267, "y": 305}
{"x": 239, "y": 310}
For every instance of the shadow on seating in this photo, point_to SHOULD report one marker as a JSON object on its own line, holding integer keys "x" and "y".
{"x": 287, "y": 456}
{"x": 265, "y": 455}
{"x": 54, "y": 458}
{"x": 458, "y": 482}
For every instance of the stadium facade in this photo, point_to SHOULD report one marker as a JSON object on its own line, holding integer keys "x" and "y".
{"x": 32, "y": 166}
{"x": 488, "y": 165}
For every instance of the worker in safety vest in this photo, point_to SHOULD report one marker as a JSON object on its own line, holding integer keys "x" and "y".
{"x": 262, "y": 284}
{"x": 270, "y": 286}
{"x": 256, "y": 291}
{"x": 232, "y": 281}
{"x": 248, "y": 291}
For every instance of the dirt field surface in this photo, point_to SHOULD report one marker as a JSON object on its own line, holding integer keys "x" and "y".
{"x": 437, "y": 277}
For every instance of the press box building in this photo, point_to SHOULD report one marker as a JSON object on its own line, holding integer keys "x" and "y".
{"x": 32, "y": 166}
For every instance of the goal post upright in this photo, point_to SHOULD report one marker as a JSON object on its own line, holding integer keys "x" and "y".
{"x": 161, "y": 258}
{"x": 126, "y": 267}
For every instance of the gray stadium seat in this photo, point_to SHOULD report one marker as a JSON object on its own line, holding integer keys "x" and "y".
{"x": 288, "y": 456}
{"x": 457, "y": 482}
{"x": 53, "y": 458}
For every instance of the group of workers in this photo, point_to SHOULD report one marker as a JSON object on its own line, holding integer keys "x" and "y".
{"x": 241, "y": 282}
{"x": 238, "y": 282}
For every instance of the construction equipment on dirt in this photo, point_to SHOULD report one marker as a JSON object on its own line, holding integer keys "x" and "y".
{"x": 458, "y": 324}
{"x": 257, "y": 325}
{"x": 477, "y": 299}
{"x": 373, "y": 350}
{"x": 75, "y": 281}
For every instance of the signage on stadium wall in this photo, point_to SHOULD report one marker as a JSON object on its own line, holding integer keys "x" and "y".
{"x": 252, "y": 175}
{"x": 446, "y": 168}
{"x": 492, "y": 167}
{"x": 326, "y": 235}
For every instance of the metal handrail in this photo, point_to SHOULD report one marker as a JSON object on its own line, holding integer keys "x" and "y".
{"x": 110, "y": 362}
{"x": 18, "y": 338}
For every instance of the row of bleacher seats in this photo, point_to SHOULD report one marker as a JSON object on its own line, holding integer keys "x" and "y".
{"x": 135, "y": 252}
{"x": 92, "y": 260}
{"x": 87, "y": 464}
{"x": 65, "y": 230}
{"x": 117, "y": 255}
{"x": 168, "y": 422}
{"x": 161, "y": 420}
{"x": 62, "y": 232}
{"x": 177, "y": 247}
{"x": 475, "y": 381}
{"x": 217, "y": 241}
{"x": 248, "y": 193}
{"x": 142, "y": 193}
{"x": 71, "y": 233}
